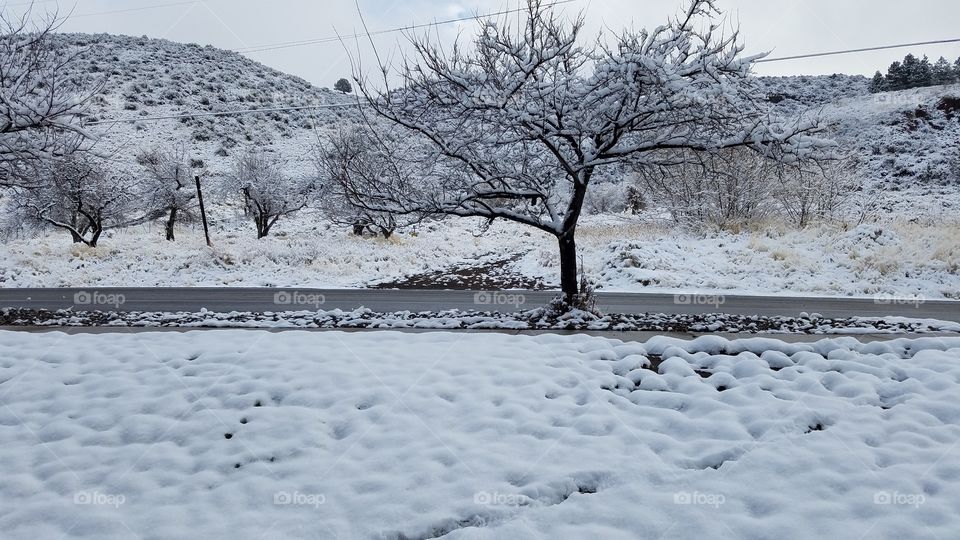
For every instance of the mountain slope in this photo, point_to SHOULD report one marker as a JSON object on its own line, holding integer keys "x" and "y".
{"x": 146, "y": 77}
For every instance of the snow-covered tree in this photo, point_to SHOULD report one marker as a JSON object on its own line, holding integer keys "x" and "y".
{"x": 343, "y": 86}
{"x": 79, "y": 195}
{"x": 40, "y": 103}
{"x": 521, "y": 123}
{"x": 878, "y": 83}
{"x": 359, "y": 162}
{"x": 722, "y": 189}
{"x": 267, "y": 192}
{"x": 168, "y": 188}
{"x": 942, "y": 72}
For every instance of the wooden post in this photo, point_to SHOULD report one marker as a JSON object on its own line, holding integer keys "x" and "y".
{"x": 203, "y": 212}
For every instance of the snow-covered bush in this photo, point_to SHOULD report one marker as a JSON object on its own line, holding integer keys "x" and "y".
{"x": 268, "y": 193}
{"x": 823, "y": 193}
{"x": 607, "y": 198}
{"x": 721, "y": 189}
{"x": 735, "y": 188}
{"x": 76, "y": 194}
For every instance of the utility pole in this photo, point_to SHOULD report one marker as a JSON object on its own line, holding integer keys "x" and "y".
{"x": 203, "y": 212}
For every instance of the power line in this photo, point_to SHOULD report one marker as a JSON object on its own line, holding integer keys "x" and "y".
{"x": 332, "y": 39}
{"x": 866, "y": 49}
{"x": 222, "y": 113}
{"x": 141, "y": 8}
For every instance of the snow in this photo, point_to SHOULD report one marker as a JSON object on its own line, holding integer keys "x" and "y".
{"x": 385, "y": 435}
{"x": 622, "y": 253}
{"x": 532, "y": 319}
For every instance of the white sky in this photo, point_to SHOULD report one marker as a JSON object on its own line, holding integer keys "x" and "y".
{"x": 786, "y": 27}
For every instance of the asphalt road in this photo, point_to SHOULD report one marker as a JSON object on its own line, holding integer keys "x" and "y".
{"x": 261, "y": 300}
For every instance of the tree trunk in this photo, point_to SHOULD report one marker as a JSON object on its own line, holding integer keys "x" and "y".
{"x": 170, "y": 223}
{"x": 358, "y": 228}
{"x": 263, "y": 225}
{"x": 97, "y": 229}
{"x": 568, "y": 266}
{"x": 77, "y": 239}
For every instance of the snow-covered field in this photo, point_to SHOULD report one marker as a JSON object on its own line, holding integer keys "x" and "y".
{"x": 237, "y": 434}
{"x": 621, "y": 253}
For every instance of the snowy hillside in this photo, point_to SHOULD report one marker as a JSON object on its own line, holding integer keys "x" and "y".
{"x": 905, "y": 138}
{"x": 902, "y": 135}
{"x": 146, "y": 77}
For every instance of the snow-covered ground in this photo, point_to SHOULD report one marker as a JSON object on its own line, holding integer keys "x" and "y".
{"x": 237, "y": 434}
{"x": 621, "y": 253}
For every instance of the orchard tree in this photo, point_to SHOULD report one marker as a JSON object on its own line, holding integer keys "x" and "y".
{"x": 520, "y": 124}
{"x": 168, "y": 189}
{"x": 268, "y": 193}
{"x": 343, "y": 86}
{"x": 41, "y": 103}
{"x": 355, "y": 163}
{"x": 79, "y": 195}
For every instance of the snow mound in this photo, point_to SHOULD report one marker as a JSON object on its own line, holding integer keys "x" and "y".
{"x": 385, "y": 435}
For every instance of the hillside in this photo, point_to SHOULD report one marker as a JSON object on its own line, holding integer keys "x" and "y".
{"x": 146, "y": 77}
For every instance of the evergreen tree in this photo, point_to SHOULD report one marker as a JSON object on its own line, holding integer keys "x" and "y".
{"x": 896, "y": 77}
{"x": 943, "y": 72}
{"x": 956, "y": 70}
{"x": 343, "y": 86}
{"x": 923, "y": 76}
{"x": 878, "y": 83}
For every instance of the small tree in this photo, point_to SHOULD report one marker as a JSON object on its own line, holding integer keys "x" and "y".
{"x": 722, "y": 189}
{"x": 523, "y": 123}
{"x": 168, "y": 189}
{"x": 878, "y": 83}
{"x": 355, "y": 162}
{"x": 943, "y": 72}
{"x": 268, "y": 194}
{"x": 343, "y": 86}
{"x": 806, "y": 196}
{"x": 41, "y": 98}
{"x": 78, "y": 195}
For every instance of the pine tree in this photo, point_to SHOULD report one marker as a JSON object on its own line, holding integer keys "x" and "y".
{"x": 943, "y": 73}
{"x": 923, "y": 76}
{"x": 878, "y": 83}
{"x": 956, "y": 70}
{"x": 896, "y": 77}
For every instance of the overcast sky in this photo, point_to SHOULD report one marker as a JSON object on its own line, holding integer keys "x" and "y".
{"x": 786, "y": 27}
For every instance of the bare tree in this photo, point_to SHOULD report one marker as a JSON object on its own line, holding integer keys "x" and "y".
{"x": 722, "y": 189}
{"x": 41, "y": 102}
{"x": 356, "y": 163}
{"x": 806, "y": 196}
{"x": 78, "y": 195}
{"x": 521, "y": 123}
{"x": 168, "y": 189}
{"x": 268, "y": 194}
